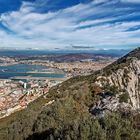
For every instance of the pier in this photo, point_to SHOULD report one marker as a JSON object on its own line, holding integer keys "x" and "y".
{"x": 37, "y": 78}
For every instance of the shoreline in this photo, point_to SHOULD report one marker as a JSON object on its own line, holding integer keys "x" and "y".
{"x": 38, "y": 73}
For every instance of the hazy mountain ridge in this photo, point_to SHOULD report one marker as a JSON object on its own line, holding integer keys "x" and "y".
{"x": 73, "y": 105}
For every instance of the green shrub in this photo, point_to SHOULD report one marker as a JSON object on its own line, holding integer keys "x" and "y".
{"x": 124, "y": 98}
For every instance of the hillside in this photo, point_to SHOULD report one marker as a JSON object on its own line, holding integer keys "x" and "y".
{"x": 101, "y": 106}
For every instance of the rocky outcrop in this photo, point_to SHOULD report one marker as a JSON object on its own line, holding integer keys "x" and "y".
{"x": 127, "y": 81}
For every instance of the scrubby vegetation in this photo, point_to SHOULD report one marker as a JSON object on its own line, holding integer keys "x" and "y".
{"x": 69, "y": 118}
{"x": 87, "y": 128}
{"x": 124, "y": 98}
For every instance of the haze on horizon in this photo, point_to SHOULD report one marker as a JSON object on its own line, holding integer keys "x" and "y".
{"x": 49, "y": 24}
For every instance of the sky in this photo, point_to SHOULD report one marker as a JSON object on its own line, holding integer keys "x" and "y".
{"x": 62, "y": 24}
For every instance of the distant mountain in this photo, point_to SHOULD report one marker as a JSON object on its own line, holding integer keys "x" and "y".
{"x": 31, "y": 53}
{"x": 78, "y": 57}
{"x": 101, "y": 106}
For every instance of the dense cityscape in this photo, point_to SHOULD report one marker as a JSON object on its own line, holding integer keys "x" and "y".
{"x": 17, "y": 92}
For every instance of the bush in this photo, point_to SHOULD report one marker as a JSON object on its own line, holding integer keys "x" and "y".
{"x": 124, "y": 98}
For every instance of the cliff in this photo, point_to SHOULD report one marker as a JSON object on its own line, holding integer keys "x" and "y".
{"x": 124, "y": 78}
{"x": 125, "y": 88}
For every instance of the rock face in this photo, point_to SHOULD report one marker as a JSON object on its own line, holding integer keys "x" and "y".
{"x": 126, "y": 79}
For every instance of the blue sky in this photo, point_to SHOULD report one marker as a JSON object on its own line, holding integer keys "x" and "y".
{"x": 49, "y": 24}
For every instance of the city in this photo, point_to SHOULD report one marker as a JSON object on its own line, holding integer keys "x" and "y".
{"x": 17, "y": 92}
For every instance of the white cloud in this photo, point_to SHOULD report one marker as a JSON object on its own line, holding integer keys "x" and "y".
{"x": 69, "y": 26}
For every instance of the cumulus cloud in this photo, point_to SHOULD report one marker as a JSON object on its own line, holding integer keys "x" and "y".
{"x": 98, "y": 23}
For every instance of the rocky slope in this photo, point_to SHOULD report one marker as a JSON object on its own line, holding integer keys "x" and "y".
{"x": 125, "y": 94}
{"x": 97, "y": 106}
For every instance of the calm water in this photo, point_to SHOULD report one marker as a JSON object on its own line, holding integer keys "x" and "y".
{"x": 22, "y": 69}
